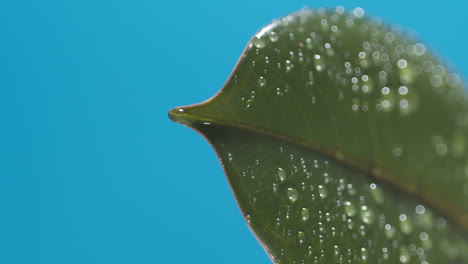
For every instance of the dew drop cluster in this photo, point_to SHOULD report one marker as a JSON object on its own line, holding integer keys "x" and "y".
{"x": 369, "y": 92}
{"x": 314, "y": 210}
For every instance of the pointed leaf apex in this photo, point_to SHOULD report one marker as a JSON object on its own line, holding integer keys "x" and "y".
{"x": 178, "y": 115}
{"x": 186, "y": 116}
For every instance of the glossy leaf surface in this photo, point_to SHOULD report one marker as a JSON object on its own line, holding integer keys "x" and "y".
{"x": 344, "y": 142}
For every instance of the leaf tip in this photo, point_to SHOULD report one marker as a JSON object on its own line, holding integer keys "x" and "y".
{"x": 186, "y": 116}
{"x": 179, "y": 116}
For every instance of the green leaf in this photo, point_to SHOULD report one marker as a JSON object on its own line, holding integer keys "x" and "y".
{"x": 344, "y": 142}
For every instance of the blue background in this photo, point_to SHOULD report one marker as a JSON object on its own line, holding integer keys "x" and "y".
{"x": 91, "y": 168}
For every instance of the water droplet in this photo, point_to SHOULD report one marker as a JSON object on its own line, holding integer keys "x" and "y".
{"x": 397, "y": 152}
{"x": 367, "y": 215}
{"x": 436, "y": 81}
{"x": 261, "y": 81}
{"x": 385, "y": 90}
{"x": 426, "y": 219}
{"x": 355, "y": 105}
{"x": 403, "y": 90}
{"x": 330, "y": 51}
{"x": 389, "y": 231}
{"x": 273, "y": 37}
{"x": 423, "y": 236}
{"x": 438, "y": 70}
{"x": 358, "y": 12}
{"x": 275, "y": 187}
{"x": 441, "y": 223}
{"x": 364, "y": 255}
{"x": 404, "y": 255}
{"x": 289, "y": 65}
{"x": 319, "y": 63}
{"x": 409, "y": 101}
{"x": 362, "y": 55}
{"x": 402, "y": 64}
{"x": 351, "y": 189}
{"x": 385, "y": 254}
{"x": 426, "y": 241}
{"x": 281, "y": 174}
{"x": 453, "y": 80}
{"x": 420, "y": 209}
{"x": 428, "y": 66}
{"x": 293, "y": 194}
{"x": 387, "y": 101}
{"x": 406, "y": 226}
{"x": 309, "y": 250}
{"x": 248, "y": 219}
{"x": 305, "y": 214}
{"x": 322, "y": 191}
{"x": 419, "y": 49}
{"x": 259, "y": 43}
{"x": 407, "y": 74}
{"x": 336, "y": 251}
{"x": 403, "y": 217}
{"x": 350, "y": 209}
{"x": 350, "y": 224}
{"x": 301, "y": 237}
{"x": 441, "y": 149}
{"x": 404, "y": 104}
{"x": 309, "y": 44}
{"x": 376, "y": 193}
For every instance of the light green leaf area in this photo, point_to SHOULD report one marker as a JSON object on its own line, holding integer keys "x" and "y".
{"x": 344, "y": 142}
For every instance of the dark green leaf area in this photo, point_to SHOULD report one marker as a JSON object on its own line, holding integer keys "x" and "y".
{"x": 359, "y": 91}
{"x": 305, "y": 208}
